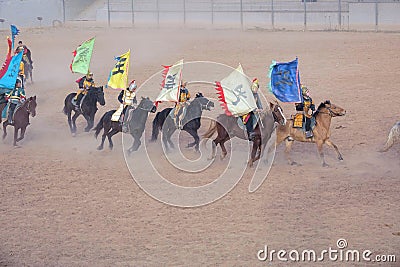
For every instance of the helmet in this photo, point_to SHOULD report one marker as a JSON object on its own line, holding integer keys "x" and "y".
{"x": 304, "y": 89}
{"x": 18, "y": 81}
{"x": 90, "y": 73}
{"x": 132, "y": 85}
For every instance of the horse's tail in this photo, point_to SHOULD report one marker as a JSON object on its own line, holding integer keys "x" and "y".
{"x": 211, "y": 130}
{"x": 393, "y": 137}
{"x": 156, "y": 128}
{"x": 99, "y": 126}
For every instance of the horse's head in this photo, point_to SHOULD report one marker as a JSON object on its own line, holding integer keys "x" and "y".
{"x": 99, "y": 94}
{"x": 30, "y": 105}
{"x": 147, "y": 104}
{"x": 205, "y": 103}
{"x": 332, "y": 109}
{"x": 277, "y": 113}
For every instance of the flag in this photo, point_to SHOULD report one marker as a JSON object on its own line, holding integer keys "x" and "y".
{"x": 14, "y": 32}
{"x": 118, "y": 78}
{"x": 8, "y": 79}
{"x": 285, "y": 81}
{"x": 82, "y": 55}
{"x": 8, "y": 59}
{"x": 170, "y": 84}
{"x": 234, "y": 93}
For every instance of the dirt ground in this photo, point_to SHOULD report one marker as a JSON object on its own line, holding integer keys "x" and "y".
{"x": 63, "y": 203}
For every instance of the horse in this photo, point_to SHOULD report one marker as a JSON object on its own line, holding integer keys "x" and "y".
{"x": 135, "y": 121}
{"x": 393, "y": 137}
{"x": 227, "y": 127}
{"x": 88, "y": 108}
{"x": 323, "y": 116}
{"x": 21, "y": 119}
{"x": 28, "y": 72}
{"x": 191, "y": 122}
{"x": 3, "y": 104}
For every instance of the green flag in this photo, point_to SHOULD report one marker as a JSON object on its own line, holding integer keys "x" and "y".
{"x": 82, "y": 55}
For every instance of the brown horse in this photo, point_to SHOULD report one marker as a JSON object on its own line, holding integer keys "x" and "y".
{"x": 21, "y": 119}
{"x": 227, "y": 127}
{"x": 323, "y": 116}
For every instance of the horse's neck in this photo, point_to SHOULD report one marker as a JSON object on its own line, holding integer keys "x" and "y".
{"x": 193, "y": 111}
{"x": 323, "y": 118}
{"x": 90, "y": 99}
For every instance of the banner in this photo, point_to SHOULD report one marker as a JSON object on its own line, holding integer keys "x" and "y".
{"x": 82, "y": 55}
{"x": 285, "y": 81}
{"x": 10, "y": 76}
{"x": 170, "y": 84}
{"x": 118, "y": 78}
{"x": 6, "y": 63}
{"x": 14, "y": 32}
{"x": 234, "y": 93}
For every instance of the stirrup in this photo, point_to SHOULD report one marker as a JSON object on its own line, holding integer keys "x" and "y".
{"x": 309, "y": 134}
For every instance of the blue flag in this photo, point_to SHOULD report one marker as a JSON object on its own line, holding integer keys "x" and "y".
{"x": 14, "y": 32}
{"x": 285, "y": 81}
{"x": 10, "y": 77}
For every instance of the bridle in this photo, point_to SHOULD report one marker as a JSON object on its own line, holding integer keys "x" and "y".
{"x": 205, "y": 106}
{"x": 330, "y": 113}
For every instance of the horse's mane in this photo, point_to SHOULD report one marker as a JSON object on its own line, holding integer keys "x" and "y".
{"x": 321, "y": 106}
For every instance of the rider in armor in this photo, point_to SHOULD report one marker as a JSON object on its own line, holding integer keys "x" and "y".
{"x": 127, "y": 98}
{"x": 184, "y": 97}
{"x": 248, "y": 118}
{"x": 84, "y": 83}
{"x": 306, "y": 105}
{"x": 15, "y": 98}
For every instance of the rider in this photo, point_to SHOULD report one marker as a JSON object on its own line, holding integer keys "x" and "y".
{"x": 306, "y": 105}
{"x": 21, "y": 72}
{"x": 27, "y": 52}
{"x": 84, "y": 83}
{"x": 127, "y": 98}
{"x": 15, "y": 97}
{"x": 184, "y": 97}
{"x": 248, "y": 118}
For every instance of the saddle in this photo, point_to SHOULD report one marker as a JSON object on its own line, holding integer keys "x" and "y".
{"x": 242, "y": 125}
{"x": 73, "y": 102}
{"x": 299, "y": 121}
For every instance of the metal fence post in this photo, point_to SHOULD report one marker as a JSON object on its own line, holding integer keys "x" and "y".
{"x": 63, "y": 10}
{"x": 272, "y": 15}
{"x": 133, "y": 13}
{"x": 108, "y": 13}
{"x": 184, "y": 12}
{"x": 340, "y": 14}
{"x": 241, "y": 13}
{"x": 158, "y": 14}
{"x": 305, "y": 14}
{"x": 212, "y": 12}
{"x": 376, "y": 15}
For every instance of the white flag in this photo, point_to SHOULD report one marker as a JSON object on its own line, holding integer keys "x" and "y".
{"x": 170, "y": 84}
{"x": 234, "y": 92}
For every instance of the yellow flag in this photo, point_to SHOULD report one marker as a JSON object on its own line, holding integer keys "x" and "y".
{"x": 118, "y": 78}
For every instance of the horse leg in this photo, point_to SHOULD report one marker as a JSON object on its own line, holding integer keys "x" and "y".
{"x": 5, "y": 123}
{"x": 23, "y": 129}
{"x": 106, "y": 129}
{"x": 331, "y": 144}
{"x": 196, "y": 137}
{"x": 255, "y": 152}
{"x": 321, "y": 153}
{"x": 109, "y": 135}
{"x": 15, "y": 135}
{"x": 222, "y": 145}
{"x": 169, "y": 134}
{"x": 70, "y": 121}
{"x": 89, "y": 123}
{"x": 135, "y": 146}
{"x": 73, "y": 130}
{"x": 288, "y": 147}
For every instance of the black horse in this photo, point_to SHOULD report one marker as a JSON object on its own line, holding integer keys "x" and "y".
{"x": 28, "y": 67}
{"x": 88, "y": 108}
{"x": 136, "y": 120}
{"x": 21, "y": 119}
{"x": 191, "y": 122}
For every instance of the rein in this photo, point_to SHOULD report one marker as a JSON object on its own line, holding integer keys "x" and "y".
{"x": 330, "y": 113}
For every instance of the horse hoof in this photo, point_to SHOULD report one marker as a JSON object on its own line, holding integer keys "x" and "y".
{"x": 325, "y": 165}
{"x": 294, "y": 163}
{"x": 111, "y": 147}
{"x": 73, "y": 134}
{"x": 340, "y": 158}
{"x": 99, "y": 148}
